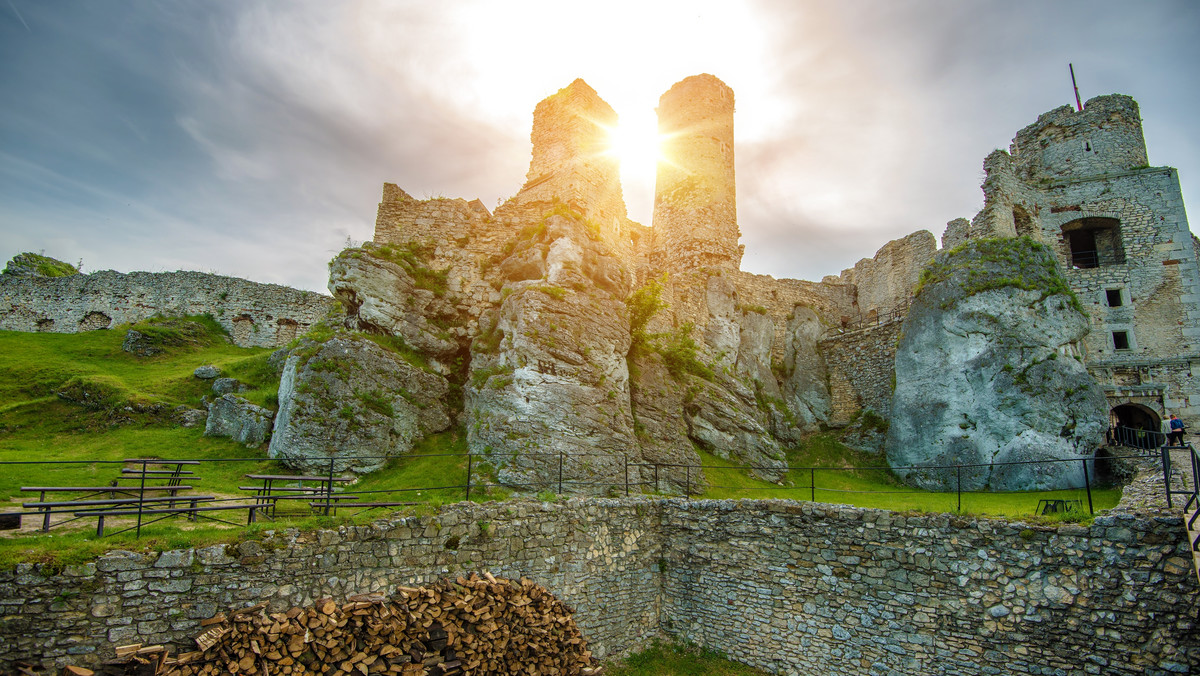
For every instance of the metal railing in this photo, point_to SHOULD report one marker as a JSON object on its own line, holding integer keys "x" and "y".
{"x": 471, "y": 476}
{"x": 852, "y": 324}
{"x": 1133, "y": 437}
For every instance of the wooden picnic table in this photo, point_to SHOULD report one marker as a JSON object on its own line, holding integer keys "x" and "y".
{"x": 90, "y": 491}
{"x": 174, "y": 474}
{"x": 268, "y": 493}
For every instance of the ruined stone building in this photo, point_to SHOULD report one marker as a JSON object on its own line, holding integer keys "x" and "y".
{"x": 554, "y": 319}
{"x": 1081, "y": 182}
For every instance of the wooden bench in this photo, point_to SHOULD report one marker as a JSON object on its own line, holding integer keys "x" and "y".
{"x": 167, "y": 512}
{"x": 72, "y": 506}
{"x": 174, "y": 475}
{"x": 361, "y": 505}
{"x": 267, "y": 493}
{"x": 1055, "y": 506}
{"x": 269, "y": 502}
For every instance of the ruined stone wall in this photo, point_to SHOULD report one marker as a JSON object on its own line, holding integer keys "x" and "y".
{"x": 1106, "y": 136}
{"x": 255, "y": 314}
{"x": 1159, "y": 278}
{"x": 790, "y": 587}
{"x": 695, "y": 205}
{"x": 886, "y": 281}
{"x": 1164, "y": 386}
{"x": 780, "y": 297}
{"x": 465, "y": 238}
{"x": 803, "y": 588}
{"x": 862, "y": 371}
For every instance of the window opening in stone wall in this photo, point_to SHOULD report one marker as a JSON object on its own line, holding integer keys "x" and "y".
{"x": 1093, "y": 242}
{"x": 1024, "y": 224}
{"x": 1120, "y": 340}
{"x": 1114, "y": 297}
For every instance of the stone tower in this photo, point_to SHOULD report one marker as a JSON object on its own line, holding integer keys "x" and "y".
{"x": 695, "y": 205}
{"x": 1064, "y": 144}
{"x": 571, "y": 159}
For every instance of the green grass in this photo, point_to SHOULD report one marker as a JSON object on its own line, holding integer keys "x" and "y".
{"x": 678, "y": 660}
{"x": 837, "y": 482}
{"x": 35, "y": 365}
{"x": 437, "y": 461}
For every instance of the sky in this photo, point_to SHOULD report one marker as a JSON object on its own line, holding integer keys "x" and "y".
{"x": 252, "y": 137}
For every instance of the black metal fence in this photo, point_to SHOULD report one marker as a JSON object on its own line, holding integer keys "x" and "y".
{"x": 460, "y": 476}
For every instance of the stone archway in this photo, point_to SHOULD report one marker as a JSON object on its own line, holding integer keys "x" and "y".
{"x": 1138, "y": 418}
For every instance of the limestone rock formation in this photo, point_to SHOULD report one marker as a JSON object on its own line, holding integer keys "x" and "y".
{"x": 548, "y": 373}
{"x": 186, "y": 416}
{"x": 227, "y": 386}
{"x": 805, "y": 383}
{"x": 390, "y": 289}
{"x": 986, "y": 372}
{"x": 660, "y": 425}
{"x": 232, "y": 416}
{"x": 351, "y": 399}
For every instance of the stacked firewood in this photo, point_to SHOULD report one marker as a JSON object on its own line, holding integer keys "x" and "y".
{"x": 473, "y": 626}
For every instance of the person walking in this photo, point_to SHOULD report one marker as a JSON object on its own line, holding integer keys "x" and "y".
{"x": 1175, "y": 436}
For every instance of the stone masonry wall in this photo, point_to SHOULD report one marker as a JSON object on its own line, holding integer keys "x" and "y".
{"x": 791, "y": 587}
{"x": 803, "y": 588}
{"x": 255, "y": 314}
{"x": 862, "y": 369}
{"x": 887, "y": 280}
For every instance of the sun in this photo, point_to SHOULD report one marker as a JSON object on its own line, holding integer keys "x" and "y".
{"x": 636, "y": 143}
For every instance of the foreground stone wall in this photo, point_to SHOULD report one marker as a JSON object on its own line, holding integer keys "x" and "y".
{"x": 255, "y": 314}
{"x": 803, "y": 588}
{"x": 794, "y": 588}
{"x": 600, "y": 557}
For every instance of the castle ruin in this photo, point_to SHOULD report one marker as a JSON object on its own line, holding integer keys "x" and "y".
{"x": 529, "y": 306}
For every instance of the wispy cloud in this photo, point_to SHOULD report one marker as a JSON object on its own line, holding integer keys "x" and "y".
{"x": 252, "y": 137}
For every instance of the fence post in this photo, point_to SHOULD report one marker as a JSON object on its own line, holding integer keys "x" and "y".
{"x": 656, "y": 477}
{"x": 812, "y": 483}
{"x": 141, "y": 499}
{"x": 627, "y": 476}
{"x": 1087, "y": 481}
{"x": 329, "y": 488}
{"x": 1166, "y": 463}
{"x": 468, "y": 477}
{"x": 687, "y": 490}
{"x": 958, "y": 471}
{"x": 560, "y": 463}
